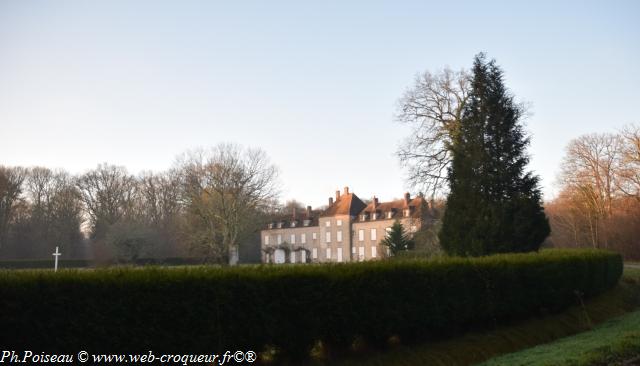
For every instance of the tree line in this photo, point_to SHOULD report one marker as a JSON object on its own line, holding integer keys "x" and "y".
{"x": 208, "y": 205}
{"x": 598, "y": 204}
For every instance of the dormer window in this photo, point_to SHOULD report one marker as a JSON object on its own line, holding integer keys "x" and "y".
{"x": 389, "y": 214}
{"x": 306, "y": 222}
{"x": 407, "y": 212}
{"x": 363, "y": 217}
{"x": 293, "y": 224}
{"x": 280, "y": 225}
{"x": 271, "y": 225}
{"x": 374, "y": 216}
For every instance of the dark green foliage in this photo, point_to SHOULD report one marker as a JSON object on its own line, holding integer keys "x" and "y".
{"x": 44, "y": 263}
{"x": 213, "y": 309}
{"x": 397, "y": 239}
{"x": 83, "y": 263}
{"x": 493, "y": 206}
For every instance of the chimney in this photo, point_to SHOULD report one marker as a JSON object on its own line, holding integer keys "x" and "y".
{"x": 337, "y": 195}
{"x": 346, "y": 190}
{"x": 330, "y": 201}
{"x": 407, "y": 198}
{"x": 308, "y": 212}
{"x": 375, "y": 202}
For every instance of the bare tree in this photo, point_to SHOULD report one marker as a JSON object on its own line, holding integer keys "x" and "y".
{"x": 629, "y": 182}
{"x": 590, "y": 176}
{"x": 159, "y": 213}
{"x": 11, "y": 181}
{"x": 40, "y": 186}
{"x": 108, "y": 194}
{"x": 160, "y": 196}
{"x": 54, "y": 209}
{"x": 592, "y": 165}
{"x": 224, "y": 188}
{"x": 599, "y": 201}
{"x": 433, "y": 108}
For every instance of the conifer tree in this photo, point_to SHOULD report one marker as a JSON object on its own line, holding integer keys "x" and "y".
{"x": 397, "y": 239}
{"x": 494, "y": 206}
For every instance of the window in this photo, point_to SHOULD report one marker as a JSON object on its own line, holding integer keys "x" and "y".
{"x": 306, "y": 222}
{"x": 328, "y": 253}
{"x": 406, "y": 212}
{"x": 279, "y": 225}
{"x": 338, "y": 222}
{"x": 293, "y": 224}
{"x": 293, "y": 238}
{"x": 303, "y": 256}
{"x": 271, "y": 225}
{"x": 303, "y": 238}
{"x": 353, "y": 250}
{"x": 327, "y": 223}
{"x": 389, "y": 214}
{"x": 314, "y": 236}
{"x": 361, "y": 253}
{"x": 339, "y": 236}
{"x": 374, "y": 234}
{"x": 374, "y": 251}
{"x": 388, "y": 230}
{"x": 314, "y": 253}
{"x": 414, "y": 228}
{"x": 361, "y": 235}
{"x": 339, "y": 254}
{"x": 266, "y": 239}
{"x": 363, "y": 217}
{"x": 327, "y": 237}
{"x": 293, "y": 257}
{"x": 374, "y": 216}
{"x": 279, "y": 239}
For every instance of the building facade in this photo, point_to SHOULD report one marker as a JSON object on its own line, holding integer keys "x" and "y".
{"x": 348, "y": 230}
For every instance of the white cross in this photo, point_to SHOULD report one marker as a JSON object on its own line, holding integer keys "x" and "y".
{"x": 56, "y": 255}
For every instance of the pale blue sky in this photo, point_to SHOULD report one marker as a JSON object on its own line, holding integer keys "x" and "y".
{"x": 315, "y": 85}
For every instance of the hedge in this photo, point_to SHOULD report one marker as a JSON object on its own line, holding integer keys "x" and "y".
{"x": 290, "y": 307}
{"x": 85, "y": 263}
{"x": 43, "y": 263}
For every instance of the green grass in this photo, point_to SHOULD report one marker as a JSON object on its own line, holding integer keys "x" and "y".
{"x": 608, "y": 343}
{"x": 473, "y": 348}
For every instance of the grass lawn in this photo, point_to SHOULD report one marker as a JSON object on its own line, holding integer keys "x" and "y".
{"x": 609, "y": 343}
{"x": 608, "y": 339}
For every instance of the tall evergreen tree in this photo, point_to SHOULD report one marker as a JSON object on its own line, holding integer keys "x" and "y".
{"x": 494, "y": 206}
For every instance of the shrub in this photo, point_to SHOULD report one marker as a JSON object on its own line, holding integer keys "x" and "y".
{"x": 213, "y": 309}
{"x": 43, "y": 263}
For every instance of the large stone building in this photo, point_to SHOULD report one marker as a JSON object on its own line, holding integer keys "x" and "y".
{"x": 348, "y": 230}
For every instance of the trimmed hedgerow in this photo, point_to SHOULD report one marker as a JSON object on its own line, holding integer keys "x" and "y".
{"x": 43, "y": 263}
{"x": 83, "y": 263}
{"x": 290, "y": 307}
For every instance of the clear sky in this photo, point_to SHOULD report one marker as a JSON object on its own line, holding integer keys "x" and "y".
{"x": 314, "y": 84}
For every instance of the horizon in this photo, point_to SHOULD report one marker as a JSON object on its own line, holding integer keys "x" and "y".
{"x": 314, "y": 86}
